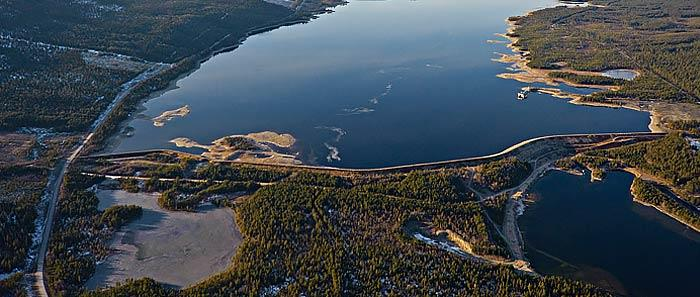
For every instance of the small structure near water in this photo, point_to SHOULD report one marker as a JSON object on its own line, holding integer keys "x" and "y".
{"x": 522, "y": 95}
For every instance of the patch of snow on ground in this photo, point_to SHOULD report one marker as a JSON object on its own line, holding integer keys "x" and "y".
{"x": 275, "y": 289}
{"x": 694, "y": 143}
{"x": 94, "y": 10}
{"x": 40, "y": 222}
{"x": 442, "y": 245}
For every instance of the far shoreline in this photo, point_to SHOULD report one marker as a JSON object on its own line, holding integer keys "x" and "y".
{"x": 655, "y": 123}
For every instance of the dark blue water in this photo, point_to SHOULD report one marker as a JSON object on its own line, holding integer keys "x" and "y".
{"x": 444, "y": 102}
{"x": 595, "y": 232}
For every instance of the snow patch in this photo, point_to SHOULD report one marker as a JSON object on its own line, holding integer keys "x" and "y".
{"x": 275, "y": 289}
{"x": 442, "y": 245}
{"x": 694, "y": 143}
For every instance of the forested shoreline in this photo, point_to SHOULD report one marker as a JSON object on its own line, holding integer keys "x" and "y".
{"x": 668, "y": 162}
{"x": 659, "y": 39}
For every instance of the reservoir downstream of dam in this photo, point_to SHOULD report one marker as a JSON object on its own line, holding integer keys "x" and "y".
{"x": 375, "y": 83}
{"x": 596, "y": 233}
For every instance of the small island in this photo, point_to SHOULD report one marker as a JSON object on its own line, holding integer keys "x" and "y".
{"x": 168, "y": 115}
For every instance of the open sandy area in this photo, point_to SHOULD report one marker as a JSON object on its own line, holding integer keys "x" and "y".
{"x": 168, "y": 115}
{"x": 176, "y": 248}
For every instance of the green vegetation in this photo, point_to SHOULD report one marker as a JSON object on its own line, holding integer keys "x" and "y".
{"x": 169, "y": 171}
{"x": 152, "y": 30}
{"x": 502, "y": 174}
{"x": 130, "y": 185}
{"x": 566, "y": 164}
{"x": 20, "y": 192}
{"x": 689, "y": 126}
{"x": 180, "y": 169}
{"x": 240, "y": 143}
{"x": 118, "y": 215}
{"x": 423, "y": 185}
{"x": 671, "y": 159}
{"x": 343, "y": 242}
{"x": 26, "y": 162}
{"x": 229, "y": 187}
{"x": 173, "y": 200}
{"x": 162, "y": 157}
{"x": 54, "y": 88}
{"x": 647, "y": 192}
{"x": 586, "y": 79}
{"x": 317, "y": 179}
{"x": 180, "y": 195}
{"x": 141, "y": 287}
{"x": 215, "y": 171}
{"x": 661, "y": 39}
{"x": 13, "y": 286}
{"x": 496, "y": 208}
{"x": 597, "y": 165}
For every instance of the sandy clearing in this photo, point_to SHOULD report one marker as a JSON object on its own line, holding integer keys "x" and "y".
{"x": 175, "y": 248}
{"x": 168, "y": 115}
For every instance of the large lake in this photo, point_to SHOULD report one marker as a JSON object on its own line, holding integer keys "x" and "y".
{"x": 401, "y": 81}
{"x": 595, "y": 232}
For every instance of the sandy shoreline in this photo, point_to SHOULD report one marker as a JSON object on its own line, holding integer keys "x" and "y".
{"x": 265, "y": 147}
{"x": 532, "y": 75}
{"x": 655, "y": 117}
